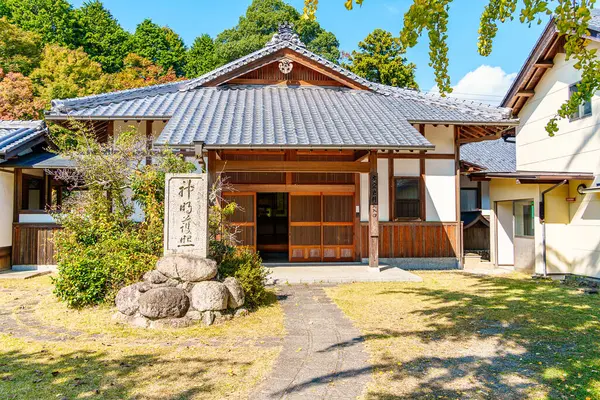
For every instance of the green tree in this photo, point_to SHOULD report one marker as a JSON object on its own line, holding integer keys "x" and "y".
{"x": 19, "y": 50}
{"x": 53, "y": 20}
{"x": 260, "y": 22}
{"x": 160, "y": 45}
{"x": 571, "y": 17}
{"x": 201, "y": 57}
{"x": 65, "y": 73}
{"x": 380, "y": 59}
{"x": 17, "y": 100}
{"x": 105, "y": 41}
{"x": 139, "y": 72}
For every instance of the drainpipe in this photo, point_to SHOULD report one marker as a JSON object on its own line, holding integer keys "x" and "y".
{"x": 543, "y": 220}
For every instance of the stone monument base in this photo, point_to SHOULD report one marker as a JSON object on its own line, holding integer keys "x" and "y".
{"x": 180, "y": 292}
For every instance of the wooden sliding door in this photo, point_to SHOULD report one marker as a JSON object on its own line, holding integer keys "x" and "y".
{"x": 244, "y": 217}
{"x": 338, "y": 227}
{"x": 321, "y": 227}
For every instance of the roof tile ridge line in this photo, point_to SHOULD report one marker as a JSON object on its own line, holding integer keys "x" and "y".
{"x": 196, "y": 82}
{"x": 62, "y": 105}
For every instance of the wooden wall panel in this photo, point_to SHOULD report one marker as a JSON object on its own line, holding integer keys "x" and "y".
{"x": 5, "y": 253}
{"x": 414, "y": 239}
{"x": 33, "y": 244}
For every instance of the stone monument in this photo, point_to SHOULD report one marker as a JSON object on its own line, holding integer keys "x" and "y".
{"x": 184, "y": 288}
{"x": 186, "y": 214}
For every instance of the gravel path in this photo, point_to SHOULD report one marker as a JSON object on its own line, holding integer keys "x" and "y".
{"x": 323, "y": 356}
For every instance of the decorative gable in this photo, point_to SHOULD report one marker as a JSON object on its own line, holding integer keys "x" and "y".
{"x": 285, "y": 71}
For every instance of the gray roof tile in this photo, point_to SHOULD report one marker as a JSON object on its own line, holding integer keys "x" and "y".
{"x": 17, "y": 136}
{"x": 494, "y": 155}
{"x": 278, "y": 116}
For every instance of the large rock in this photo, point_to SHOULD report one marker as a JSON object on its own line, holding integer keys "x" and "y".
{"x": 127, "y": 300}
{"x": 155, "y": 277}
{"x": 209, "y": 296}
{"x": 187, "y": 267}
{"x": 165, "y": 302}
{"x": 236, "y": 293}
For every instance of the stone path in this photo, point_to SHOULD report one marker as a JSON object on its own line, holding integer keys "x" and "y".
{"x": 323, "y": 355}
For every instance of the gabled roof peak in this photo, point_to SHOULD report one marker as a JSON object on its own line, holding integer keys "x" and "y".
{"x": 285, "y": 33}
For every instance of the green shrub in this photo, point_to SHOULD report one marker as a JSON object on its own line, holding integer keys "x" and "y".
{"x": 100, "y": 248}
{"x": 246, "y": 266}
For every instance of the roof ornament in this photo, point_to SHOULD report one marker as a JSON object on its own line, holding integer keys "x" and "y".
{"x": 286, "y": 66}
{"x": 285, "y": 33}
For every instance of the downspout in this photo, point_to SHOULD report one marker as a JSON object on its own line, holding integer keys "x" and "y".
{"x": 543, "y": 220}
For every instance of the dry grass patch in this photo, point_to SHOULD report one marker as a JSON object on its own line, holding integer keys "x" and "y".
{"x": 49, "y": 351}
{"x": 462, "y": 336}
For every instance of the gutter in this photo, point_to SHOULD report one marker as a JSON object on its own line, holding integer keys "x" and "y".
{"x": 543, "y": 219}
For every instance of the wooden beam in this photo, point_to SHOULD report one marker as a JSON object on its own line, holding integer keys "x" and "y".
{"x": 373, "y": 212}
{"x": 18, "y": 188}
{"x": 360, "y": 156}
{"x": 544, "y": 64}
{"x": 291, "y": 166}
{"x": 212, "y": 167}
{"x": 284, "y": 188}
{"x": 526, "y": 93}
{"x": 357, "y": 231}
{"x": 417, "y": 156}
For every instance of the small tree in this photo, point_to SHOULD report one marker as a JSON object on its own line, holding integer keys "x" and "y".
{"x": 16, "y": 97}
{"x": 101, "y": 248}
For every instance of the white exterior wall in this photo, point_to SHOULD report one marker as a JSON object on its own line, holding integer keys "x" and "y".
{"x": 576, "y": 146}
{"x": 573, "y": 228}
{"x": 7, "y": 183}
{"x": 440, "y": 183}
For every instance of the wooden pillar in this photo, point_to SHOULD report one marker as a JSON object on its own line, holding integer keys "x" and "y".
{"x": 457, "y": 193}
{"x": 373, "y": 212}
{"x": 149, "y": 140}
{"x": 422, "y": 184}
{"x": 212, "y": 170}
{"x": 18, "y": 188}
{"x": 357, "y": 229}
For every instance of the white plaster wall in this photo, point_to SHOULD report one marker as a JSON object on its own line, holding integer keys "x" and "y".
{"x": 7, "y": 182}
{"x": 485, "y": 198}
{"x": 576, "y": 146}
{"x": 504, "y": 233}
{"x": 442, "y": 137}
{"x": 440, "y": 184}
{"x": 406, "y": 167}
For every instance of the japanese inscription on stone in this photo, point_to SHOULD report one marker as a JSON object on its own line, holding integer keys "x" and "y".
{"x": 186, "y": 214}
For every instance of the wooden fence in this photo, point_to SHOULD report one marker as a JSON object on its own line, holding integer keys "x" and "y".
{"x": 33, "y": 244}
{"x": 414, "y": 239}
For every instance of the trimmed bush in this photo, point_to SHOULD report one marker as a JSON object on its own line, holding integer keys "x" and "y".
{"x": 246, "y": 266}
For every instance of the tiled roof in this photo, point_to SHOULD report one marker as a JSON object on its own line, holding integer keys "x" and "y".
{"x": 595, "y": 20}
{"x": 493, "y": 155}
{"x": 228, "y": 113}
{"x": 278, "y": 116}
{"x": 17, "y": 136}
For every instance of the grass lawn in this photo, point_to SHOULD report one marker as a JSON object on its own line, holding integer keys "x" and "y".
{"x": 462, "y": 336}
{"x": 50, "y": 352}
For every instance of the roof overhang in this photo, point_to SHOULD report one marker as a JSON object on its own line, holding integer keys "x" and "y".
{"x": 525, "y": 177}
{"x": 39, "y": 160}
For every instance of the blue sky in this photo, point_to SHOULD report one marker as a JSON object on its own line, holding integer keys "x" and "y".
{"x": 191, "y": 18}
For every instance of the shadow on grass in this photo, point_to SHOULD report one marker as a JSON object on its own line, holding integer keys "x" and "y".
{"x": 47, "y": 375}
{"x": 543, "y": 334}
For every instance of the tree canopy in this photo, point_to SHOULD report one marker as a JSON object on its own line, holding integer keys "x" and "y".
{"x": 261, "y": 21}
{"x": 19, "y": 50}
{"x": 571, "y": 17}
{"x": 53, "y": 20}
{"x": 139, "y": 72}
{"x": 103, "y": 39}
{"x": 17, "y": 100}
{"x": 65, "y": 73}
{"x": 201, "y": 58}
{"x": 380, "y": 59}
{"x": 160, "y": 45}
